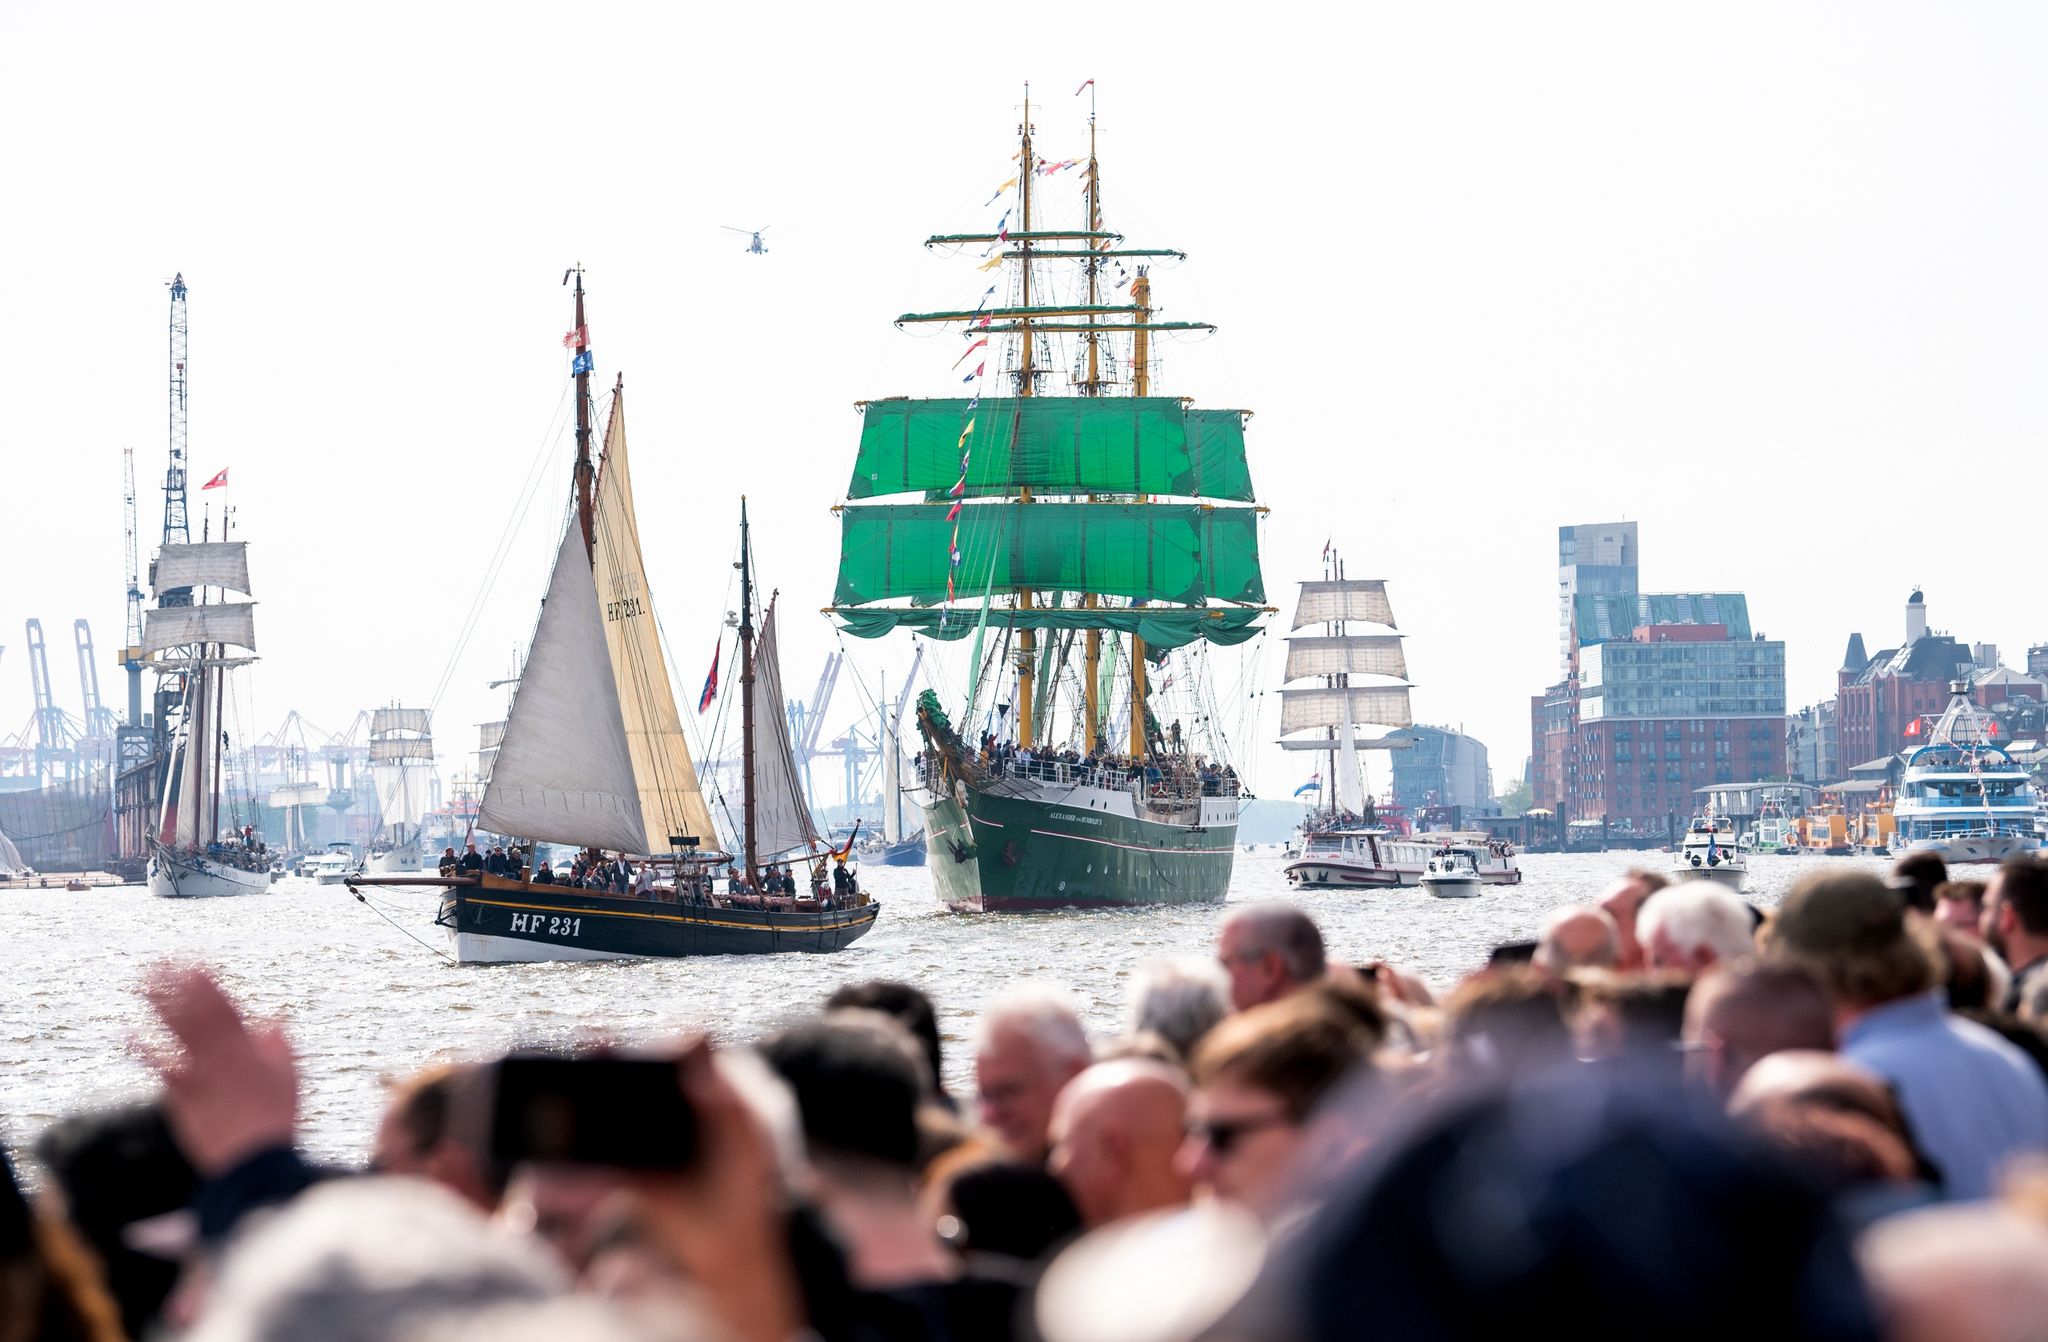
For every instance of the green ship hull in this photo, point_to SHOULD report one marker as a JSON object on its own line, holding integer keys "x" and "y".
{"x": 992, "y": 853}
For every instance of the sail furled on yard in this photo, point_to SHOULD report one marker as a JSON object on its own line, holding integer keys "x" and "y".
{"x": 671, "y": 799}
{"x": 1162, "y": 627}
{"x": 222, "y": 564}
{"x": 1173, "y": 552}
{"x": 782, "y": 818}
{"x": 1346, "y": 655}
{"x": 564, "y": 772}
{"x": 1336, "y": 600}
{"x": 168, "y": 627}
{"x": 1336, "y": 705}
{"x": 1061, "y": 445}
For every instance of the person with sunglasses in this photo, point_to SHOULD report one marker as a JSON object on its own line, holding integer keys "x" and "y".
{"x": 1258, "y": 1077}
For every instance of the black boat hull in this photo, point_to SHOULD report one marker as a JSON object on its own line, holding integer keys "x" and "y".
{"x": 503, "y": 922}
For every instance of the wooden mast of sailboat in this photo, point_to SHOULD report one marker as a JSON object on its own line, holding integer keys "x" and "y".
{"x": 585, "y": 471}
{"x": 1141, "y": 385}
{"x": 1027, "y": 637}
{"x": 1091, "y": 692}
{"x": 747, "y": 692}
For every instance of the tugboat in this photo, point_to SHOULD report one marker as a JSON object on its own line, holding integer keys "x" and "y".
{"x": 1962, "y": 796}
{"x": 1096, "y": 532}
{"x": 593, "y": 756}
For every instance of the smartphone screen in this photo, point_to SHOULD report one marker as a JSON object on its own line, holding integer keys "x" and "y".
{"x": 625, "y": 1112}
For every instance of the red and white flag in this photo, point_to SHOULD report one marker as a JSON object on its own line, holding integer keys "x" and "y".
{"x": 1084, "y": 88}
{"x": 218, "y": 482}
{"x": 979, "y": 344}
{"x": 577, "y": 338}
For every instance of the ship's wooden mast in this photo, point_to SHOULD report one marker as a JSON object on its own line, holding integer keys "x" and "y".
{"x": 585, "y": 471}
{"x": 1090, "y": 678}
{"x": 1027, "y": 638}
{"x": 1141, "y": 385}
{"x": 747, "y": 691}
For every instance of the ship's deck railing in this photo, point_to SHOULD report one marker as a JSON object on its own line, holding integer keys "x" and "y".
{"x": 1153, "y": 784}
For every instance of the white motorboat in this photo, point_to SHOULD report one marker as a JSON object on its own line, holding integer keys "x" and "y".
{"x": 1962, "y": 796}
{"x": 1710, "y": 853}
{"x": 331, "y": 867}
{"x": 1493, "y": 859}
{"x": 1451, "y": 873}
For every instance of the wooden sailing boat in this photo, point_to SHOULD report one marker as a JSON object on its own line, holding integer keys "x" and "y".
{"x": 189, "y": 855}
{"x": 592, "y": 755}
{"x": 1102, "y": 517}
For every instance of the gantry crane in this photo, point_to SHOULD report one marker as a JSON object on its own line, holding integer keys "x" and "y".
{"x": 55, "y": 734}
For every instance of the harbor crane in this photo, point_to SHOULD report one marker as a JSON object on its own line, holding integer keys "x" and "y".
{"x": 55, "y": 734}
{"x": 99, "y": 719}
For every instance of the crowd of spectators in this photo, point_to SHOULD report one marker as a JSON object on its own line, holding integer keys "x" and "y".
{"x": 1671, "y": 1114}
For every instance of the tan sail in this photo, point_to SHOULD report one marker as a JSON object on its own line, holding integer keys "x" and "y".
{"x": 670, "y": 798}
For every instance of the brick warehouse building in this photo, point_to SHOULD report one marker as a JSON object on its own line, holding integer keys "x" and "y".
{"x": 1670, "y": 693}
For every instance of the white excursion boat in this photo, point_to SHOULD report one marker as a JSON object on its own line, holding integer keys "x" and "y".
{"x": 1710, "y": 852}
{"x": 1341, "y": 854}
{"x": 1452, "y": 874}
{"x": 1962, "y": 796}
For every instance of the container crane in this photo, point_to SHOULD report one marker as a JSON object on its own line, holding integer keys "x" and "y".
{"x": 54, "y": 732}
{"x": 99, "y": 719}
{"x": 131, "y": 650}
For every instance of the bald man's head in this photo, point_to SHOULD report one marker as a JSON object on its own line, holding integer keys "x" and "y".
{"x": 1578, "y": 936}
{"x": 1738, "y": 1014}
{"x": 1115, "y": 1129}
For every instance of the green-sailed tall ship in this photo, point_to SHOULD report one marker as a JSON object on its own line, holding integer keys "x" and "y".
{"x": 1080, "y": 528}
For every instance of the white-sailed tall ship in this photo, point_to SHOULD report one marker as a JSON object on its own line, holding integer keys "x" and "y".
{"x": 402, "y": 767}
{"x": 1338, "y": 681}
{"x": 1962, "y": 795}
{"x": 190, "y": 634}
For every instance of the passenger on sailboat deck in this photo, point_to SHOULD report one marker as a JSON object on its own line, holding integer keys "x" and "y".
{"x": 448, "y": 859}
{"x": 470, "y": 863}
{"x": 544, "y": 876}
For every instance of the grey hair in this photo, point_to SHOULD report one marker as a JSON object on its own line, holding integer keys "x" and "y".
{"x": 1698, "y": 915}
{"x": 578, "y": 1317}
{"x": 1179, "y": 1000}
{"x": 1284, "y": 930}
{"x": 1045, "y": 1013}
{"x": 365, "y": 1260}
{"x": 1963, "y": 1270}
{"x": 1550, "y": 955}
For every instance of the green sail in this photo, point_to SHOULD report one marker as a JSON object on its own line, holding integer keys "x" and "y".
{"x": 1161, "y": 627}
{"x": 1183, "y": 553}
{"x": 1058, "y": 445}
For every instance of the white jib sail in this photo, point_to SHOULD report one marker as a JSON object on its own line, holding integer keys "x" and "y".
{"x": 564, "y": 772}
{"x": 782, "y": 818}
{"x": 1350, "y": 791}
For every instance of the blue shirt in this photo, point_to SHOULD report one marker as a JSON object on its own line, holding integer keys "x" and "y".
{"x": 1972, "y": 1100}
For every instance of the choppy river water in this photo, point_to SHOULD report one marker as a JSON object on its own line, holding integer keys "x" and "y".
{"x": 365, "y": 1001}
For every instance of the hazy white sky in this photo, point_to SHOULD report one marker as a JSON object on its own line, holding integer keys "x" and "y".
{"x": 1767, "y": 278}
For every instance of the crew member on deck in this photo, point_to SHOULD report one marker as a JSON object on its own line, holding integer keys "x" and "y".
{"x": 471, "y": 863}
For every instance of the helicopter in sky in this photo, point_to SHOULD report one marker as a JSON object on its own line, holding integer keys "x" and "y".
{"x": 754, "y": 243}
